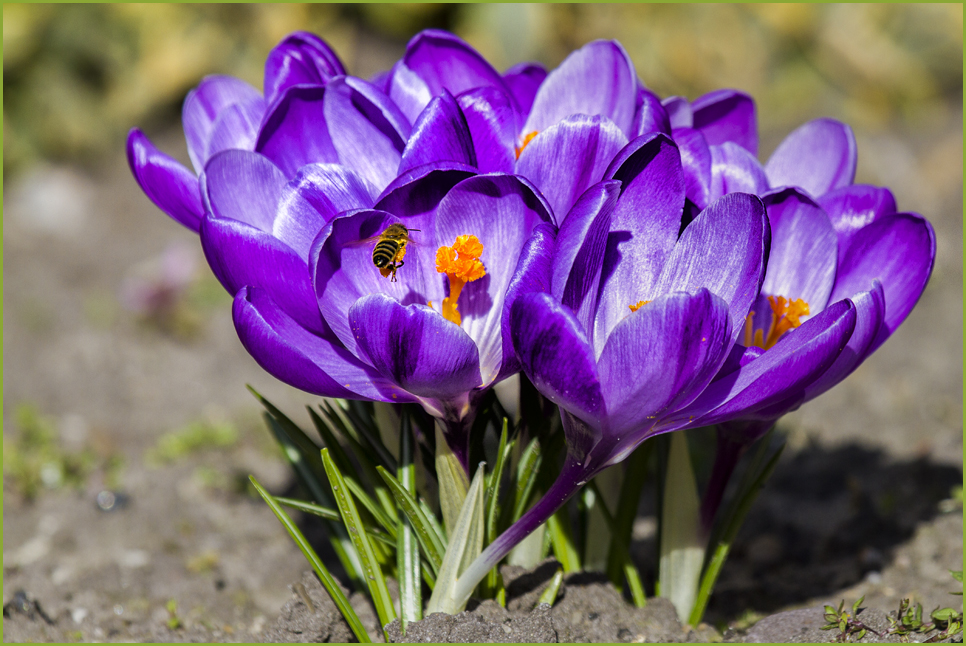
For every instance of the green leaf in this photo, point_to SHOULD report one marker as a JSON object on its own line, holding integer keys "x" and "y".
{"x": 562, "y": 540}
{"x": 549, "y": 595}
{"x": 493, "y": 582}
{"x": 753, "y": 480}
{"x": 308, "y": 467}
{"x": 682, "y": 544}
{"x": 465, "y": 544}
{"x": 331, "y": 514}
{"x": 328, "y": 581}
{"x": 428, "y": 539}
{"x": 378, "y": 591}
{"x": 957, "y": 574}
{"x": 408, "y": 563}
{"x": 333, "y": 422}
{"x": 526, "y": 477}
{"x": 944, "y": 615}
{"x": 453, "y": 482}
{"x": 635, "y": 473}
{"x": 371, "y": 506}
{"x": 627, "y": 567}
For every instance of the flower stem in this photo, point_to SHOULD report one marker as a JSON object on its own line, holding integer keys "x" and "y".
{"x": 572, "y": 477}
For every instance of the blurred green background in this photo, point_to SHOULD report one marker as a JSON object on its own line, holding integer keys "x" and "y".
{"x": 77, "y": 77}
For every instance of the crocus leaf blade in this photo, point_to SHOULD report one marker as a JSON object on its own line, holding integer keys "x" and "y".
{"x": 328, "y": 581}
{"x": 378, "y": 591}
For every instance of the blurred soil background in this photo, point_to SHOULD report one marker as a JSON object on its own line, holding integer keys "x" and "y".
{"x": 128, "y": 433}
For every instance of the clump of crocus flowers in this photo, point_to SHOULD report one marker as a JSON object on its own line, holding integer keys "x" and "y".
{"x": 628, "y": 257}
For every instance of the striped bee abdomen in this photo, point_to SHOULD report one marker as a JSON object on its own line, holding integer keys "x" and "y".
{"x": 384, "y": 252}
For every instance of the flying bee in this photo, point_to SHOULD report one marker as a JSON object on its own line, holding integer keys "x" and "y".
{"x": 390, "y": 249}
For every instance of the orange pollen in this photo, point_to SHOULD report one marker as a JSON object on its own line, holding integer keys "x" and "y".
{"x": 526, "y": 140}
{"x": 461, "y": 264}
{"x": 639, "y": 305}
{"x": 785, "y": 315}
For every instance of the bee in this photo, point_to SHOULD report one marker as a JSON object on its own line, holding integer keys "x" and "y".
{"x": 390, "y": 249}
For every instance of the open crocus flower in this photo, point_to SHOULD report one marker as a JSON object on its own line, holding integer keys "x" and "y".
{"x": 850, "y": 244}
{"x": 638, "y": 320}
{"x": 311, "y": 112}
{"x": 317, "y": 312}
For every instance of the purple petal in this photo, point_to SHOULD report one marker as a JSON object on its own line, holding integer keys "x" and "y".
{"x": 644, "y": 228}
{"x": 564, "y": 160}
{"x": 237, "y": 127}
{"x": 898, "y": 251}
{"x": 869, "y": 312}
{"x": 314, "y": 363}
{"x": 415, "y": 347}
{"x": 722, "y": 250}
{"x": 502, "y": 213}
{"x": 171, "y": 186}
{"x": 295, "y": 131}
{"x": 204, "y": 105}
{"x": 556, "y": 356}
{"x": 438, "y": 60}
{"x": 697, "y": 162}
{"x": 662, "y": 356}
{"x": 493, "y": 126}
{"x": 798, "y": 359}
{"x": 407, "y": 90}
{"x": 366, "y": 128}
{"x": 439, "y": 134}
{"x": 735, "y": 170}
{"x": 316, "y": 194}
{"x": 679, "y": 112}
{"x": 420, "y": 189}
{"x": 244, "y": 186}
{"x": 651, "y": 115}
{"x": 819, "y": 156}
{"x": 579, "y": 255}
{"x": 804, "y": 249}
{"x": 532, "y": 274}
{"x": 597, "y": 79}
{"x": 727, "y": 116}
{"x": 340, "y": 262}
{"x": 524, "y": 80}
{"x": 301, "y": 59}
{"x": 241, "y": 255}
{"x": 851, "y": 208}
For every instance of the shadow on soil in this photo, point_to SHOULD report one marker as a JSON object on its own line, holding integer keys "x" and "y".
{"x": 823, "y": 522}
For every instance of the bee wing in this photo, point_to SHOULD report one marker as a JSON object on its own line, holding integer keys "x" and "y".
{"x": 371, "y": 240}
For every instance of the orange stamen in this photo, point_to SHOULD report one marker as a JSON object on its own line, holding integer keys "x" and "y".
{"x": 461, "y": 264}
{"x": 639, "y": 305}
{"x": 526, "y": 140}
{"x": 785, "y": 315}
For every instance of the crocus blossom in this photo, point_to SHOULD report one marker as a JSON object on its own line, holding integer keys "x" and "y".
{"x": 831, "y": 240}
{"x": 638, "y": 320}
{"x": 850, "y": 244}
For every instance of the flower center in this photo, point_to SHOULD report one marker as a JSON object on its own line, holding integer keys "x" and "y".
{"x": 461, "y": 264}
{"x": 526, "y": 140}
{"x": 785, "y": 315}
{"x": 639, "y": 305}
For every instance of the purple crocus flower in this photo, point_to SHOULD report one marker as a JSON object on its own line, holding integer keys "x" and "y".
{"x": 831, "y": 240}
{"x": 849, "y": 244}
{"x": 638, "y": 320}
{"x": 315, "y": 312}
{"x": 311, "y": 113}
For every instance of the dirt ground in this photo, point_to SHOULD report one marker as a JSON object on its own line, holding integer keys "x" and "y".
{"x": 163, "y": 542}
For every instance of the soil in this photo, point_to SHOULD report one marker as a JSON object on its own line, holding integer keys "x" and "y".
{"x": 177, "y": 549}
